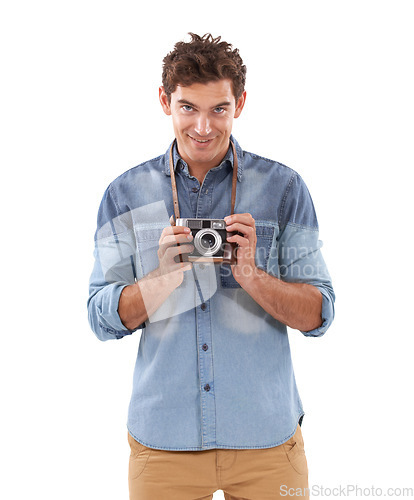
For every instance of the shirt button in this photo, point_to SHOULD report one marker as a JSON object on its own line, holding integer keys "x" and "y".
{"x": 207, "y": 387}
{"x": 205, "y": 347}
{"x": 203, "y": 307}
{"x": 194, "y": 190}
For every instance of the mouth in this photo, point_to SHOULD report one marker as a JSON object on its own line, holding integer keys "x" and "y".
{"x": 200, "y": 141}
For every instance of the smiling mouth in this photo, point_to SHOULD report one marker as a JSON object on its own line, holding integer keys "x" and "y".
{"x": 200, "y": 141}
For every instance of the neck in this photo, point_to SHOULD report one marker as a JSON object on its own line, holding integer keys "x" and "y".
{"x": 199, "y": 169}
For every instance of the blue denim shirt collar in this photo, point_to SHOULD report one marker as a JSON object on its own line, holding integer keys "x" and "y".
{"x": 228, "y": 158}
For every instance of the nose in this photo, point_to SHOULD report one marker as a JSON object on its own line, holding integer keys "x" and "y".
{"x": 203, "y": 127}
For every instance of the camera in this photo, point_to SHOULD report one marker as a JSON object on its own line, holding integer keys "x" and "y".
{"x": 210, "y": 241}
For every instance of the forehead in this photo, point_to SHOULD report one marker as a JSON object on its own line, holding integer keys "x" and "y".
{"x": 210, "y": 93}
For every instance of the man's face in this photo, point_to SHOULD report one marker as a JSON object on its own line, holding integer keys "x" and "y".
{"x": 202, "y": 117}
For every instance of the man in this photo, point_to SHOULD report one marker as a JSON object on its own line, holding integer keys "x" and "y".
{"x": 214, "y": 402}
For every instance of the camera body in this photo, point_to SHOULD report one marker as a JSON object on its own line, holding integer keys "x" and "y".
{"x": 210, "y": 241}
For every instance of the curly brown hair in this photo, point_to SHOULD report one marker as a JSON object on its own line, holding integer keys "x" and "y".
{"x": 202, "y": 60}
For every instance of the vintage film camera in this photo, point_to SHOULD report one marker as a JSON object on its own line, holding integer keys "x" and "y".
{"x": 210, "y": 241}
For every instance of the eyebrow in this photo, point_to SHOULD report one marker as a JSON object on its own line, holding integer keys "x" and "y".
{"x": 224, "y": 103}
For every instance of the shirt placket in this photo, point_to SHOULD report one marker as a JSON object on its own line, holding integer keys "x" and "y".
{"x": 205, "y": 363}
{"x": 203, "y": 322}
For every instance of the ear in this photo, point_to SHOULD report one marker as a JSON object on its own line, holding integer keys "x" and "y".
{"x": 240, "y": 105}
{"x": 165, "y": 104}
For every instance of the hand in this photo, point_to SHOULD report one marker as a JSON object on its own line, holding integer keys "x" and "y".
{"x": 246, "y": 265}
{"x": 139, "y": 301}
{"x": 174, "y": 241}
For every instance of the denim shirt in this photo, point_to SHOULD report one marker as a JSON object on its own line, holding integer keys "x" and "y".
{"x": 213, "y": 369}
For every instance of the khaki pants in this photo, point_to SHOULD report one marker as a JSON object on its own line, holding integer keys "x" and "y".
{"x": 279, "y": 472}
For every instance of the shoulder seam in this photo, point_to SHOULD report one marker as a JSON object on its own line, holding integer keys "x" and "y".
{"x": 275, "y": 162}
{"x": 112, "y": 193}
{"x": 282, "y": 205}
{"x": 137, "y": 166}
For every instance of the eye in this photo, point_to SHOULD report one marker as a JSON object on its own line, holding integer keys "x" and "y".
{"x": 219, "y": 110}
{"x": 187, "y": 107}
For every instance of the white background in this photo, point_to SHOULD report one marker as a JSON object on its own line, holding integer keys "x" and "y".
{"x": 329, "y": 93}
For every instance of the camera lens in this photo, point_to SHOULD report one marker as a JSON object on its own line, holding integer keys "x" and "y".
{"x": 208, "y": 241}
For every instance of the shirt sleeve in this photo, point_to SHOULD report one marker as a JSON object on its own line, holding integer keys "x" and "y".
{"x": 114, "y": 269}
{"x": 299, "y": 248}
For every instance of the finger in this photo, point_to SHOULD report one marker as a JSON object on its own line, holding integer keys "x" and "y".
{"x": 186, "y": 266}
{"x": 173, "y": 241}
{"x": 240, "y": 240}
{"x": 176, "y": 239}
{"x": 173, "y": 231}
{"x": 248, "y": 231}
{"x": 178, "y": 267}
{"x": 172, "y": 252}
{"x": 244, "y": 218}
{"x": 179, "y": 229}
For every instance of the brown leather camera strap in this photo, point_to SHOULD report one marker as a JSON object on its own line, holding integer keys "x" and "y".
{"x": 174, "y": 185}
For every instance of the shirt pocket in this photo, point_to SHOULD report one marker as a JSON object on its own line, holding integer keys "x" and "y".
{"x": 264, "y": 234}
{"x": 147, "y": 241}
